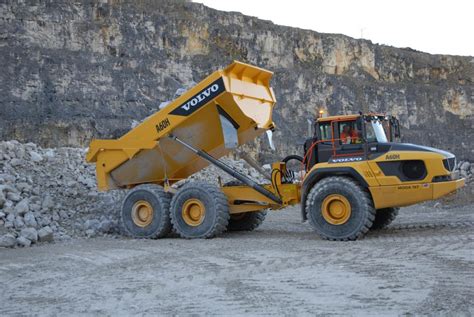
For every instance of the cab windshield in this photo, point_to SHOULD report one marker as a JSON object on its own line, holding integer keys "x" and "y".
{"x": 377, "y": 131}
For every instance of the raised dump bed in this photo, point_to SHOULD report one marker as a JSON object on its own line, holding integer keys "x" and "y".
{"x": 226, "y": 109}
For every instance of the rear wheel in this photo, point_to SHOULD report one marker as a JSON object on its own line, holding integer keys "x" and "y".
{"x": 145, "y": 212}
{"x": 199, "y": 210}
{"x": 338, "y": 208}
{"x": 384, "y": 217}
{"x": 245, "y": 221}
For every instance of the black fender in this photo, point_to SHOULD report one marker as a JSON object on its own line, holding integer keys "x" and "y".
{"x": 320, "y": 173}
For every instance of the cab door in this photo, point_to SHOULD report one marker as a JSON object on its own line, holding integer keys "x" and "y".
{"x": 348, "y": 139}
{"x": 324, "y": 147}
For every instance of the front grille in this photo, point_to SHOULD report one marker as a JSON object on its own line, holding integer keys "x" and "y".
{"x": 406, "y": 171}
{"x": 449, "y": 163}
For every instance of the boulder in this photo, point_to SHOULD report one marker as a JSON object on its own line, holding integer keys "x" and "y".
{"x": 35, "y": 157}
{"x": 10, "y": 217}
{"x": 93, "y": 224}
{"x": 24, "y": 187}
{"x": 7, "y": 241}
{"x": 465, "y": 166}
{"x": 19, "y": 222}
{"x": 22, "y": 207}
{"x": 63, "y": 214}
{"x": 90, "y": 233}
{"x": 30, "y": 220}
{"x": 106, "y": 226}
{"x": 6, "y": 178}
{"x": 3, "y": 199}
{"x": 30, "y": 234}
{"x": 13, "y": 196}
{"x": 47, "y": 202}
{"x": 45, "y": 234}
{"x": 16, "y": 162}
{"x": 22, "y": 241}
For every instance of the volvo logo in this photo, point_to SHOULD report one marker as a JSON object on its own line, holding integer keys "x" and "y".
{"x": 346, "y": 159}
{"x": 200, "y": 99}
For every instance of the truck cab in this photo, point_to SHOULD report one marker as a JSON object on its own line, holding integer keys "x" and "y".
{"x": 351, "y": 136}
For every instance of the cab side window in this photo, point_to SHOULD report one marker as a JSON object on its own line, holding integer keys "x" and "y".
{"x": 348, "y": 133}
{"x": 325, "y": 132}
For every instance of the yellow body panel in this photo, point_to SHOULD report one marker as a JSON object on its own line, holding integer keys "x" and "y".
{"x": 290, "y": 195}
{"x": 361, "y": 167}
{"x": 433, "y": 162}
{"x": 146, "y": 155}
{"x": 390, "y": 191}
{"x": 409, "y": 194}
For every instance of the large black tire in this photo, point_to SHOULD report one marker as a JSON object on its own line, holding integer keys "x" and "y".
{"x": 360, "y": 218}
{"x": 246, "y": 221}
{"x": 197, "y": 194}
{"x": 145, "y": 197}
{"x": 384, "y": 217}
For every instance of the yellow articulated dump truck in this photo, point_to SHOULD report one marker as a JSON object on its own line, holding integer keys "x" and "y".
{"x": 356, "y": 175}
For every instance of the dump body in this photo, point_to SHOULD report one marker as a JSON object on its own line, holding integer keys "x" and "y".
{"x": 227, "y": 109}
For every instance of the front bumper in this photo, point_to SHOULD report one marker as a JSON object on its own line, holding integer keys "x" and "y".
{"x": 405, "y": 195}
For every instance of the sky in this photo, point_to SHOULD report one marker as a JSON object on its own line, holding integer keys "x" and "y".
{"x": 436, "y": 26}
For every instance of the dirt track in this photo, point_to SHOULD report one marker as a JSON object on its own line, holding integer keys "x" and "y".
{"x": 422, "y": 264}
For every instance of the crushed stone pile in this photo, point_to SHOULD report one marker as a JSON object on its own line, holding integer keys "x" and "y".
{"x": 51, "y": 194}
{"x": 464, "y": 169}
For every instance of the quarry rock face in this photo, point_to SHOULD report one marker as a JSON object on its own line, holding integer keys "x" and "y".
{"x": 72, "y": 71}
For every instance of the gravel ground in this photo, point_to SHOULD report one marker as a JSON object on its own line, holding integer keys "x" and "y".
{"x": 421, "y": 264}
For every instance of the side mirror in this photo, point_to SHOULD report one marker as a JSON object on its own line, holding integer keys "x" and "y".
{"x": 397, "y": 131}
{"x": 396, "y": 127}
{"x": 310, "y": 128}
{"x": 359, "y": 122}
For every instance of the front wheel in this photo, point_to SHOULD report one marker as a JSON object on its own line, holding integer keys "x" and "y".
{"x": 338, "y": 208}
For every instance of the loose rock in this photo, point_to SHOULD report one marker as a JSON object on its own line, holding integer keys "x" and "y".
{"x": 22, "y": 241}
{"x": 22, "y": 207}
{"x": 35, "y": 157}
{"x": 30, "y": 220}
{"x": 45, "y": 234}
{"x": 30, "y": 234}
{"x": 7, "y": 241}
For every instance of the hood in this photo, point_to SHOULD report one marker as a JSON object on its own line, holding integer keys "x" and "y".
{"x": 414, "y": 147}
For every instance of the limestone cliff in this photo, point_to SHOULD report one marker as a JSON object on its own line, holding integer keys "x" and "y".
{"x": 73, "y": 70}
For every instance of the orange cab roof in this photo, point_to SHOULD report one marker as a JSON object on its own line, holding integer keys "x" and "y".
{"x": 341, "y": 117}
{"x": 346, "y": 117}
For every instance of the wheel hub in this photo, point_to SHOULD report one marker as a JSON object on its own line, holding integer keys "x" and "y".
{"x": 142, "y": 213}
{"x": 336, "y": 209}
{"x": 193, "y": 212}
